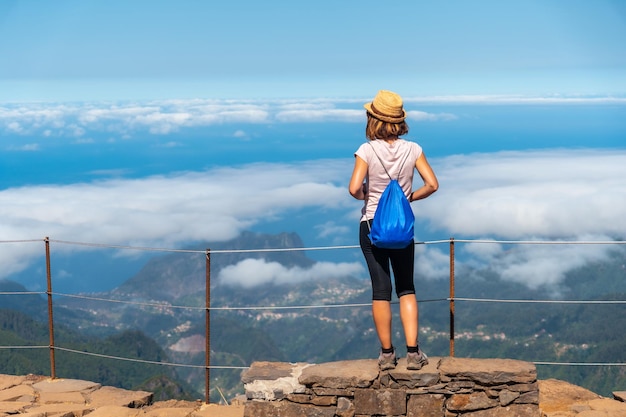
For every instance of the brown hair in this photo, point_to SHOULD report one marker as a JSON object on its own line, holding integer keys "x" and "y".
{"x": 377, "y": 129}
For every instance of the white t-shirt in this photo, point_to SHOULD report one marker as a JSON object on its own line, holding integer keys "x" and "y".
{"x": 392, "y": 155}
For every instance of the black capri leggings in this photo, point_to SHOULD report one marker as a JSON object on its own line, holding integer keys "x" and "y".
{"x": 378, "y": 261}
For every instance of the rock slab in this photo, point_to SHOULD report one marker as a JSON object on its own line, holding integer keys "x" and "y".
{"x": 40, "y": 396}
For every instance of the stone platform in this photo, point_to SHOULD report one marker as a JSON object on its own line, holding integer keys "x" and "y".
{"x": 446, "y": 387}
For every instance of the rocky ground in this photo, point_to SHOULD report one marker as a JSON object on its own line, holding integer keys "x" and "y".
{"x": 40, "y": 396}
{"x": 562, "y": 399}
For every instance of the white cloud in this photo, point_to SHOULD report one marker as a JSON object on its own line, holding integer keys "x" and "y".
{"x": 168, "y": 116}
{"x": 253, "y": 272}
{"x": 538, "y": 264}
{"x": 431, "y": 263}
{"x": 318, "y": 111}
{"x": 553, "y": 195}
{"x": 164, "y": 211}
{"x": 422, "y": 116}
{"x": 160, "y": 118}
{"x": 540, "y": 195}
{"x": 516, "y": 99}
{"x": 513, "y": 195}
{"x": 331, "y": 228}
{"x": 14, "y": 127}
{"x": 27, "y": 147}
{"x": 240, "y": 134}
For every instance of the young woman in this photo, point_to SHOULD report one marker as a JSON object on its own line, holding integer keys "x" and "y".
{"x": 385, "y": 150}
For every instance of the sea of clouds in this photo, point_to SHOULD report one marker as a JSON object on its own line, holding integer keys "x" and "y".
{"x": 548, "y": 194}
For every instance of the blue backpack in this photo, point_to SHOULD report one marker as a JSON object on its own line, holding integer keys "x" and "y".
{"x": 393, "y": 224}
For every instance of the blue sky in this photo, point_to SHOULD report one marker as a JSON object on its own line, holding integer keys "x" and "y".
{"x": 160, "y": 123}
{"x": 113, "y": 49}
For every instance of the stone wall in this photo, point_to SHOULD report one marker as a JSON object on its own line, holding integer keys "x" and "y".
{"x": 446, "y": 387}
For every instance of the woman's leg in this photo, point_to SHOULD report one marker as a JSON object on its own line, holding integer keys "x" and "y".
{"x": 409, "y": 315}
{"x": 403, "y": 264}
{"x": 381, "y": 311}
{"x": 378, "y": 265}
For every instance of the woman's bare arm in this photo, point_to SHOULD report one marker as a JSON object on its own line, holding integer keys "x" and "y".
{"x": 356, "y": 186}
{"x": 428, "y": 176}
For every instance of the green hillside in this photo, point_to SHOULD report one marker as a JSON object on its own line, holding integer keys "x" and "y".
{"x": 17, "y": 329}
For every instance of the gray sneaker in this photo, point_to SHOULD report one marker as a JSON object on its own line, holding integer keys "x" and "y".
{"x": 387, "y": 361}
{"x": 415, "y": 361}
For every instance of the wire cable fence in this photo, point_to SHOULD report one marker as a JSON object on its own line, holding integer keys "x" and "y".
{"x": 451, "y": 299}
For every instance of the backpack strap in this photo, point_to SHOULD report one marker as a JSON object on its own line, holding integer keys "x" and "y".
{"x": 383, "y": 165}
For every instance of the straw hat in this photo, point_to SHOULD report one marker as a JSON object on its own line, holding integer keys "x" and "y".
{"x": 386, "y": 106}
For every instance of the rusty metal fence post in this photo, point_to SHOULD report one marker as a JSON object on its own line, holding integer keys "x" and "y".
{"x": 207, "y": 376}
{"x": 50, "y": 315}
{"x": 452, "y": 296}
